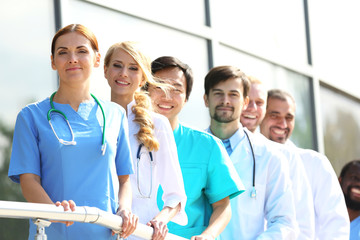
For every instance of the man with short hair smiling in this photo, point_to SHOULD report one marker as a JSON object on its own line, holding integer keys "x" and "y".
{"x": 350, "y": 184}
{"x": 210, "y": 179}
{"x": 263, "y": 170}
{"x": 255, "y": 111}
{"x": 251, "y": 118}
{"x": 279, "y": 120}
{"x": 331, "y": 220}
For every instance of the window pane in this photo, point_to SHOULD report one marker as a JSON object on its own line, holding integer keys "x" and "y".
{"x": 25, "y": 76}
{"x": 184, "y": 13}
{"x": 274, "y": 76}
{"x": 26, "y": 73}
{"x": 157, "y": 41}
{"x": 341, "y": 126}
{"x": 275, "y": 29}
{"x": 335, "y": 39}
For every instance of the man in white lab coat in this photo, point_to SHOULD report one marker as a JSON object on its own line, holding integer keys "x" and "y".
{"x": 263, "y": 170}
{"x": 251, "y": 118}
{"x": 331, "y": 220}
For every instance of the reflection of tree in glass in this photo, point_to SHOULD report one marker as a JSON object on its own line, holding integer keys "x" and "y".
{"x": 302, "y": 133}
{"x": 10, "y": 191}
{"x": 341, "y": 139}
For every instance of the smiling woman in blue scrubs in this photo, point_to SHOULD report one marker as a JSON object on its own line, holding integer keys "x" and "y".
{"x": 83, "y": 154}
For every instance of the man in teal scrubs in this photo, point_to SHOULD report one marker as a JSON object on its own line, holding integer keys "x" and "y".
{"x": 210, "y": 179}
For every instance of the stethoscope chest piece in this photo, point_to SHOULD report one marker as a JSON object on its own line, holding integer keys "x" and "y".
{"x": 62, "y": 141}
{"x": 253, "y": 193}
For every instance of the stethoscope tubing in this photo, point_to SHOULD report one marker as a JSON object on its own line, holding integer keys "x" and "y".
{"x": 73, "y": 142}
{"x": 253, "y": 191}
{"x": 138, "y": 157}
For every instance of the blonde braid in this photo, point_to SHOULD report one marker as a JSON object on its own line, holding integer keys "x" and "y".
{"x": 142, "y": 110}
{"x": 142, "y": 107}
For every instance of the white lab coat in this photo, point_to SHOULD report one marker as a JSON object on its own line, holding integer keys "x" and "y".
{"x": 331, "y": 216}
{"x": 274, "y": 201}
{"x": 304, "y": 205}
{"x": 166, "y": 172}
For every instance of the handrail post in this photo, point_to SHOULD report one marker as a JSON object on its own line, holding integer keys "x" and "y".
{"x": 40, "y": 228}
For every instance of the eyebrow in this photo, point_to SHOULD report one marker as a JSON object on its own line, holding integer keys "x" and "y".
{"x": 274, "y": 112}
{"x": 176, "y": 84}
{"x": 78, "y": 47}
{"x": 119, "y": 61}
{"x": 220, "y": 90}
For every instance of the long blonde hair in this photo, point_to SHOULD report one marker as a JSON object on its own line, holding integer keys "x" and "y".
{"x": 142, "y": 108}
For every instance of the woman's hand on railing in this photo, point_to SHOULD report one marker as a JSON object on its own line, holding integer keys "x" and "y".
{"x": 67, "y": 205}
{"x": 160, "y": 229}
{"x": 130, "y": 222}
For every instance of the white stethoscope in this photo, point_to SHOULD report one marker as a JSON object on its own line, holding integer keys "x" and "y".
{"x": 253, "y": 191}
{"x": 138, "y": 157}
{"x": 73, "y": 142}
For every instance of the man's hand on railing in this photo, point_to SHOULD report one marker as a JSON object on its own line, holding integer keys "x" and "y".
{"x": 67, "y": 205}
{"x": 160, "y": 229}
{"x": 130, "y": 222}
{"x": 203, "y": 236}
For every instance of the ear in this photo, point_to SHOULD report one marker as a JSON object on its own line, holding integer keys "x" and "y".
{"x": 52, "y": 62}
{"x": 206, "y": 100}
{"x": 97, "y": 59}
{"x": 105, "y": 70}
{"x": 246, "y": 103}
{"x": 340, "y": 179}
{"x": 142, "y": 83}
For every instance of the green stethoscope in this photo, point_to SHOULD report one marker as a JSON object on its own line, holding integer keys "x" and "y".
{"x": 73, "y": 142}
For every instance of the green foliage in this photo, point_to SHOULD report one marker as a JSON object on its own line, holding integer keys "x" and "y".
{"x": 9, "y": 191}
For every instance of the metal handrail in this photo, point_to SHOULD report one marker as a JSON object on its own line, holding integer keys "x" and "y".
{"x": 10, "y": 209}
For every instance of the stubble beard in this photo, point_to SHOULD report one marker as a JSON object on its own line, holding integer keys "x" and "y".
{"x": 350, "y": 203}
{"x": 224, "y": 119}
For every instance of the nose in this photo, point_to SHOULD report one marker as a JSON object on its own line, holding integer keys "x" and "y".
{"x": 281, "y": 122}
{"x": 73, "y": 58}
{"x": 168, "y": 95}
{"x": 226, "y": 100}
{"x": 123, "y": 72}
{"x": 251, "y": 106}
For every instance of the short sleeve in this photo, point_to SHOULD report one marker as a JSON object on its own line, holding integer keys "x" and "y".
{"x": 25, "y": 155}
{"x": 224, "y": 180}
{"x": 171, "y": 179}
{"x": 123, "y": 155}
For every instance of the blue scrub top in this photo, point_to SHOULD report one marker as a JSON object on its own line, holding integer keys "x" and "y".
{"x": 79, "y": 172}
{"x": 208, "y": 174}
{"x": 355, "y": 229}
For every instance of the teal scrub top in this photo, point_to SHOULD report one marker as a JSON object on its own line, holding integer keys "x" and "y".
{"x": 208, "y": 174}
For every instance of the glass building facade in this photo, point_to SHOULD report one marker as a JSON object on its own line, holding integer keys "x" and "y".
{"x": 301, "y": 46}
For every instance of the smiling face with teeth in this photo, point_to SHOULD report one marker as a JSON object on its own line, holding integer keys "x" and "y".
{"x": 169, "y": 104}
{"x": 124, "y": 76}
{"x": 226, "y": 102}
{"x": 255, "y": 111}
{"x": 350, "y": 185}
{"x": 279, "y": 121}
